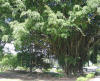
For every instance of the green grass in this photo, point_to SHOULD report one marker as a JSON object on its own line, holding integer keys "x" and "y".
{"x": 87, "y": 77}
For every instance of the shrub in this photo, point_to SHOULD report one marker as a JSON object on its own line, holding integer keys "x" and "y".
{"x": 8, "y": 62}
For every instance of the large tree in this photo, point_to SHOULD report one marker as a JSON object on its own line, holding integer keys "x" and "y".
{"x": 71, "y": 27}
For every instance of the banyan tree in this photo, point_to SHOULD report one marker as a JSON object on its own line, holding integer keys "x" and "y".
{"x": 71, "y": 27}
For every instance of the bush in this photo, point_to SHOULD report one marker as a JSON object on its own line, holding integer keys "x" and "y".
{"x": 8, "y": 62}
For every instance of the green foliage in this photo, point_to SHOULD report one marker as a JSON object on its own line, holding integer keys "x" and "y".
{"x": 9, "y": 62}
{"x": 24, "y": 60}
{"x": 1, "y": 54}
{"x": 95, "y": 53}
{"x": 5, "y": 38}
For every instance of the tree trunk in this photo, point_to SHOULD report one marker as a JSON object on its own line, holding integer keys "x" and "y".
{"x": 30, "y": 63}
{"x": 31, "y": 54}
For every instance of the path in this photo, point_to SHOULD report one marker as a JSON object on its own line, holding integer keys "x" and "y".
{"x": 14, "y": 76}
{"x": 96, "y": 79}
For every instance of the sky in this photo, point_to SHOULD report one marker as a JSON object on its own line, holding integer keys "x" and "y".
{"x": 9, "y": 48}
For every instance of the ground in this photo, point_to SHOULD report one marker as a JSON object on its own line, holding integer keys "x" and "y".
{"x": 97, "y": 78}
{"x": 18, "y": 76}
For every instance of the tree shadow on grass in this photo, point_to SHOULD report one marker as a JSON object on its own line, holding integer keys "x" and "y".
{"x": 26, "y": 76}
{"x": 16, "y": 75}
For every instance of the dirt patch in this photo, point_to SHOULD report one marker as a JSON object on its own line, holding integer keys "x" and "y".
{"x": 20, "y": 76}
